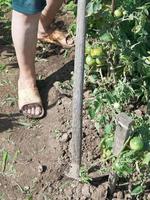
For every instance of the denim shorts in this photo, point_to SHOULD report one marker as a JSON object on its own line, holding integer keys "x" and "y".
{"x": 28, "y": 6}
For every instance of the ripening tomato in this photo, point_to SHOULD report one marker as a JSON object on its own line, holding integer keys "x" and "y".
{"x": 96, "y": 52}
{"x": 118, "y": 13}
{"x": 90, "y": 61}
{"x": 88, "y": 50}
{"x": 100, "y": 62}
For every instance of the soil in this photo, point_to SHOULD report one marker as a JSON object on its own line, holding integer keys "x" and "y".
{"x": 38, "y": 150}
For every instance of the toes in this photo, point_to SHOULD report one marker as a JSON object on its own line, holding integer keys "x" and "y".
{"x": 25, "y": 110}
{"x": 69, "y": 41}
{"x": 32, "y": 110}
{"x": 38, "y": 110}
{"x": 28, "y": 110}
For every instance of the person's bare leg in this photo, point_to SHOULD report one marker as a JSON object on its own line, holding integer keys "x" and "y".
{"x": 24, "y": 34}
{"x": 48, "y": 15}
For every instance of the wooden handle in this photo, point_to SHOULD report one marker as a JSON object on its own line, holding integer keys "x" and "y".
{"x": 78, "y": 90}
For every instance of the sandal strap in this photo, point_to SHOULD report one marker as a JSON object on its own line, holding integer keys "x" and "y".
{"x": 58, "y": 37}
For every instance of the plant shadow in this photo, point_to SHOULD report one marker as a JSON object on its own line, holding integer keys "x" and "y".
{"x": 8, "y": 122}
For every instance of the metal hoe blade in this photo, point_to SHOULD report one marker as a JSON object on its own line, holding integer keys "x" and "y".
{"x": 123, "y": 125}
{"x": 122, "y": 133}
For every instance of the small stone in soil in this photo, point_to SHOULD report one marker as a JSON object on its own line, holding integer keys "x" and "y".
{"x": 68, "y": 192}
{"x": 127, "y": 197}
{"x": 59, "y": 102}
{"x": 78, "y": 191}
{"x": 92, "y": 127}
{"x": 26, "y": 188}
{"x": 115, "y": 195}
{"x": 64, "y": 138}
{"x": 86, "y": 190}
{"x": 119, "y": 195}
{"x": 148, "y": 197}
{"x": 138, "y": 112}
{"x": 100, "y": 193}
{"x": 87, "y": 94}
{"x": 41, "y": 168}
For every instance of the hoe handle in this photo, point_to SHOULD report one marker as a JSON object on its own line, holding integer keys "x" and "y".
{"x": 76, "y": 142}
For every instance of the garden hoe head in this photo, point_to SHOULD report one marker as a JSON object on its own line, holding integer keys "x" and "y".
{"x": 122, "y": 133}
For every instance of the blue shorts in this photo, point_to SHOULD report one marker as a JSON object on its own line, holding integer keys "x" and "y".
{"x": 28, "y": 6}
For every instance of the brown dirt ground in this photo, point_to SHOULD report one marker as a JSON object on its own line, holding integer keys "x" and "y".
{"x": 38, "y": 153}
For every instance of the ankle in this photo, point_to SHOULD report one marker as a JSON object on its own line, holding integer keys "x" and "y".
{"x": 44, "y": 27}
{"x": 24, "y": 82}
{"x": 42, "y": 31}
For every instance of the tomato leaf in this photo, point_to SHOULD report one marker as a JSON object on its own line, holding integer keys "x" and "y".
{"x": 137, "y": 190}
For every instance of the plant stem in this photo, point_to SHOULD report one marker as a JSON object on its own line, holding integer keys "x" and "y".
{"x": 113, "y": 7}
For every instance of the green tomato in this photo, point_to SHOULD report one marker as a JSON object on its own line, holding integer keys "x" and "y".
{"x": 118, "y": 13}
{"x": 136, "y": 144}
{"x": 100, "y": 62}
{"x": 96, "y": 52}
{"x": 125, "y": 12}
{"x": 88, "y": 50}
{"x": 90, "y": 61}
{"x": 107, "y": 37}
{"x": 146, "y": 159}
{"x": 147, "y": 60}
{"x": 118, "y": 167}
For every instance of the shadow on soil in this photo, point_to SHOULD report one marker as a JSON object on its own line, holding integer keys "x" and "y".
{"x": 8, "y": 121}
{"x": 60, "y": 75}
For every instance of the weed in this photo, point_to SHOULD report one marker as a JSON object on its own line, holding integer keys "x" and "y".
{"x": 7, "y": 163}
{"x": 2, "y": 196}
{"x": 9, "y": 100}
{"x": 2, "y": 67}
{"x": 28, "y": 123}
{"x": 57, "y": 133}
{"x": 4, "y": 160}
{"x": 84, "y": 175}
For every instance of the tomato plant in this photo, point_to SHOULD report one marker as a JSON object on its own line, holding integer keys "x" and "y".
{"x": 117, "y": 73}
{"x": 5, "y": 6}
{"x": 121, "y": 76}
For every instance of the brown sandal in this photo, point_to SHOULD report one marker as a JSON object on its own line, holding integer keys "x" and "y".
{"x": 31, "y": 98}
{"x": 59, "y": 38}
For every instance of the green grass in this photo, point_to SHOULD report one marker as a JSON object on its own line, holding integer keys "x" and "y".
{"x": 7, "y": 162}
{"x": 2, "y": 67}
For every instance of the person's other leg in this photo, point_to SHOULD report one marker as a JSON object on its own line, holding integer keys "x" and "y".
{"x": 24, "y": 34}
{"x": 48, "y": 15}
{"x": 45, "y": 33}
